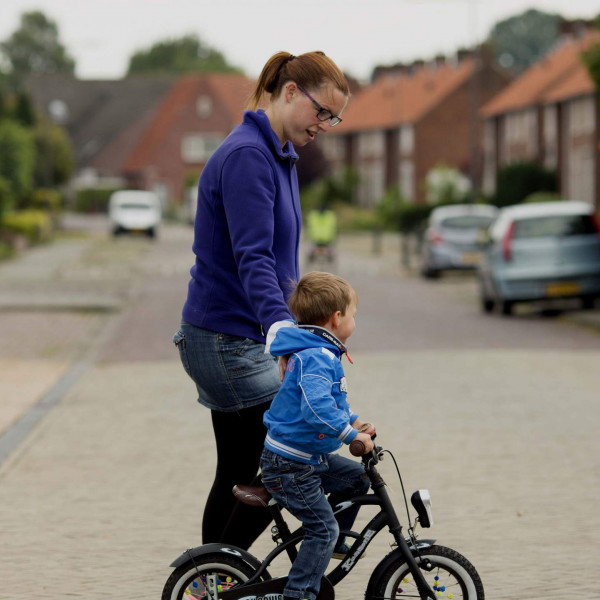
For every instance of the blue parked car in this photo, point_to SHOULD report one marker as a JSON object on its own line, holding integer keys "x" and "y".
{"x": 453, "y": 239}
{"x": 541, "y": 251}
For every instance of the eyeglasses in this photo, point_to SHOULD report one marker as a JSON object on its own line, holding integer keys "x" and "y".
{"x": 322, "y": 113}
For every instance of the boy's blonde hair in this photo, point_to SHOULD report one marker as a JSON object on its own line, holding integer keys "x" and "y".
{"x": 318, "y": 295}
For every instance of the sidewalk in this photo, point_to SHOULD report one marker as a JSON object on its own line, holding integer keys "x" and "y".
{"x": 109, "y": 486}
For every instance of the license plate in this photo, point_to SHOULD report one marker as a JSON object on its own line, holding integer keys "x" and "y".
{"x": 563, "y": 289}
{"x": 471, "y": 258}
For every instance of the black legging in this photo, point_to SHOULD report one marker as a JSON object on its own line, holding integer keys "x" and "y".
{"x": 240, "y": 438}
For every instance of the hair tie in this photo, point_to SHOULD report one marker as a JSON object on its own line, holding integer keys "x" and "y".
{"x": 291, "y": 57}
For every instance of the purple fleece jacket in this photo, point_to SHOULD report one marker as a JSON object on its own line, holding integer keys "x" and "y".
{"x": 246, "y": 233}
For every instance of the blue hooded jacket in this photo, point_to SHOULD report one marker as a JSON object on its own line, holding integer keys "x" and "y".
{"x": 310, "y": 415}
{"x": 246, "y": 233}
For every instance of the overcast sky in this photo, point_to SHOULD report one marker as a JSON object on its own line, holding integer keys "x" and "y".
{"x": 358, "y": 34}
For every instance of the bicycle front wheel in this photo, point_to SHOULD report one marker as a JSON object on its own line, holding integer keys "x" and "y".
{"x": 451, "y": 576}
{"x": 190, "y": 581}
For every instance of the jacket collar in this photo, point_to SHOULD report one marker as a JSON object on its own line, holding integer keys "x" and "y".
{"x": 260, "y": 119}
{"x": 327, "y": 336}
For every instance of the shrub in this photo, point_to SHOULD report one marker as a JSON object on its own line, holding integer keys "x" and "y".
{"x": 7, "y": 199}
{"x": 542, "y": 197}
{"x": 444, "y": 185}
{"x": 355, "y": 218}
{"x": 517, "y": 181}
{"x": 395, "y": 212}
{"x": 35, "y": 225}
{"x": 46, "y": 199}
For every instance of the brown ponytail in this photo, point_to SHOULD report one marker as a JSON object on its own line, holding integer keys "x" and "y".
{"x": 310, "y": 70}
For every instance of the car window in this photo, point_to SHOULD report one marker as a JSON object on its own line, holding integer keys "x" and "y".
{"x": 554, "y": 226}
{"x": 467, "y": 222}
{"x": 134, "y": 206}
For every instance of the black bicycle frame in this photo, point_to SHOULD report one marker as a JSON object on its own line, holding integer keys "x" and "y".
{"x": 386, "y": 516}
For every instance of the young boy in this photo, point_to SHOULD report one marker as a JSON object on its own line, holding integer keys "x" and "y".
{"x": 308, "y": 420}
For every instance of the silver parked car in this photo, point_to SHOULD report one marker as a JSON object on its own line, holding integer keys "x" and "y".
{"x": 453, "y": 239}
{"x": 541, "y": 251}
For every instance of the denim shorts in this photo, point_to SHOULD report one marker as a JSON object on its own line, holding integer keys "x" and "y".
{"x": 230, "y": 372}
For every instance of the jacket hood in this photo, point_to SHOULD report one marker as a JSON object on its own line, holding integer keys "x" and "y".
{"x": 260, "y": 119}
{"x": 295, "y": 339}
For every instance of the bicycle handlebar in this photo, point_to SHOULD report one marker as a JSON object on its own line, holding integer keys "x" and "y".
{"x": 357, "y": 447}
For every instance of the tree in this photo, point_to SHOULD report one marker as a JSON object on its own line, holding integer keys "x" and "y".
{"x": 181, "y": 55}
{"x": 591, "y": 59}
{"x": 523, "y": 39}
{"x": 17, "y": 156}
{"x": 53, "y": 155}
{"x": 35, "y": 48}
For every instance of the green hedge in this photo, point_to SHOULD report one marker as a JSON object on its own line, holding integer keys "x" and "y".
{"x": 93, "y": 200}
{"x": 516, "y": 182}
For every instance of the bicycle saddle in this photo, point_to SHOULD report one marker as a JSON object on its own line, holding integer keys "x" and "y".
{"x": 254, "y": 495}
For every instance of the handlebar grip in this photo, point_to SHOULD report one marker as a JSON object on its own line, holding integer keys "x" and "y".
{"x": 357, "y": 448}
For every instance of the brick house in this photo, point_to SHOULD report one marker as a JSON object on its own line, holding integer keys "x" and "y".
{"x": 550, "y": 115}
{"x": 150, "y": 132}
{"x": 406, "y": 123}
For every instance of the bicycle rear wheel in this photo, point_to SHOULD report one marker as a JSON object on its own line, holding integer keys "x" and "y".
{"x": 452, "y": 576}
{"x": 190, "y": 580}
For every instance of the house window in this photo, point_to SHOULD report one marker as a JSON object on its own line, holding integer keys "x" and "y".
{"x": 204, "y": 107}
{"x": 371, "y": 186}
{"x": 198, "y": 147}
{"x": 550, "y": 136}
{"x": 371, "y": 144}
{"x": 489, "y": 157}
{"x": 521, "y": 135}
{"x": 581, "y": 114}
{"x": 334, "y": 147}
{"x": 407, "y": 179}
{"x": 407, "y": 139}
{"x": 59, "y": 111}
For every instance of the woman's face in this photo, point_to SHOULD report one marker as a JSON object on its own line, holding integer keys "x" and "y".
{"x": 300, "y": 123}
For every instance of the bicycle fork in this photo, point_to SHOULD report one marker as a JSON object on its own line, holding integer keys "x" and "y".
{"x": 396, "y": 530}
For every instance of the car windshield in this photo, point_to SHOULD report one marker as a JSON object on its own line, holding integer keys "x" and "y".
{"x": 554, "y": 226}
{"x": 467, "y": 222}
{"x": 134, "y": 206}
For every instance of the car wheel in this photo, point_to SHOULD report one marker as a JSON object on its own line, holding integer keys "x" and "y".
{"x": 588, "y": 302}
{"x": 507, "y": 307}
{"x": 429, "y": 273}
{"x": 487, "y": 305}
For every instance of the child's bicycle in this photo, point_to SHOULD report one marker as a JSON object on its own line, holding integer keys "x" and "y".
{"x": 414, "y": 569}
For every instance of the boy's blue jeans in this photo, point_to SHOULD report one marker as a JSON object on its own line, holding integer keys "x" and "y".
{"x": 301, "y": 489}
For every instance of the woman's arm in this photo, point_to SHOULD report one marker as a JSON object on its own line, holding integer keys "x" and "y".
{"x": 248, "y": 189}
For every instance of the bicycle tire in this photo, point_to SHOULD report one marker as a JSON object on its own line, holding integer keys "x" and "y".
{"x": 187, "y": 578}
{"x": 457, "y": 578}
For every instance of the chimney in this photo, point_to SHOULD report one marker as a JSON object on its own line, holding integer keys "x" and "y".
{"x": 463, "y": 53}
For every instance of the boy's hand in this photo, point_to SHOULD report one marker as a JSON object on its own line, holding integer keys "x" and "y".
{"x": 364, "y": 427}
{"x": 365, "y": 438}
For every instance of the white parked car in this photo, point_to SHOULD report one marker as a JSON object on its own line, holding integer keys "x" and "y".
{"x": 134, "y": 211}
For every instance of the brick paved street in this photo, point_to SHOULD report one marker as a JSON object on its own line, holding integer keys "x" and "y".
{"x": 109, "y": 486}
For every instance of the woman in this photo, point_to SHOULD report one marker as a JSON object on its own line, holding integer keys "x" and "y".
{"x": 246, "y": 239}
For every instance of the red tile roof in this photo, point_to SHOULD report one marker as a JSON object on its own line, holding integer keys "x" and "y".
{"x": 561, "y": 69}
{"x": 229, "y": 89}
{"x": 397, "y": 99}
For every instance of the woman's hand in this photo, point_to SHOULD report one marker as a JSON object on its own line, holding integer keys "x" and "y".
{"x": 282, "y": 362}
